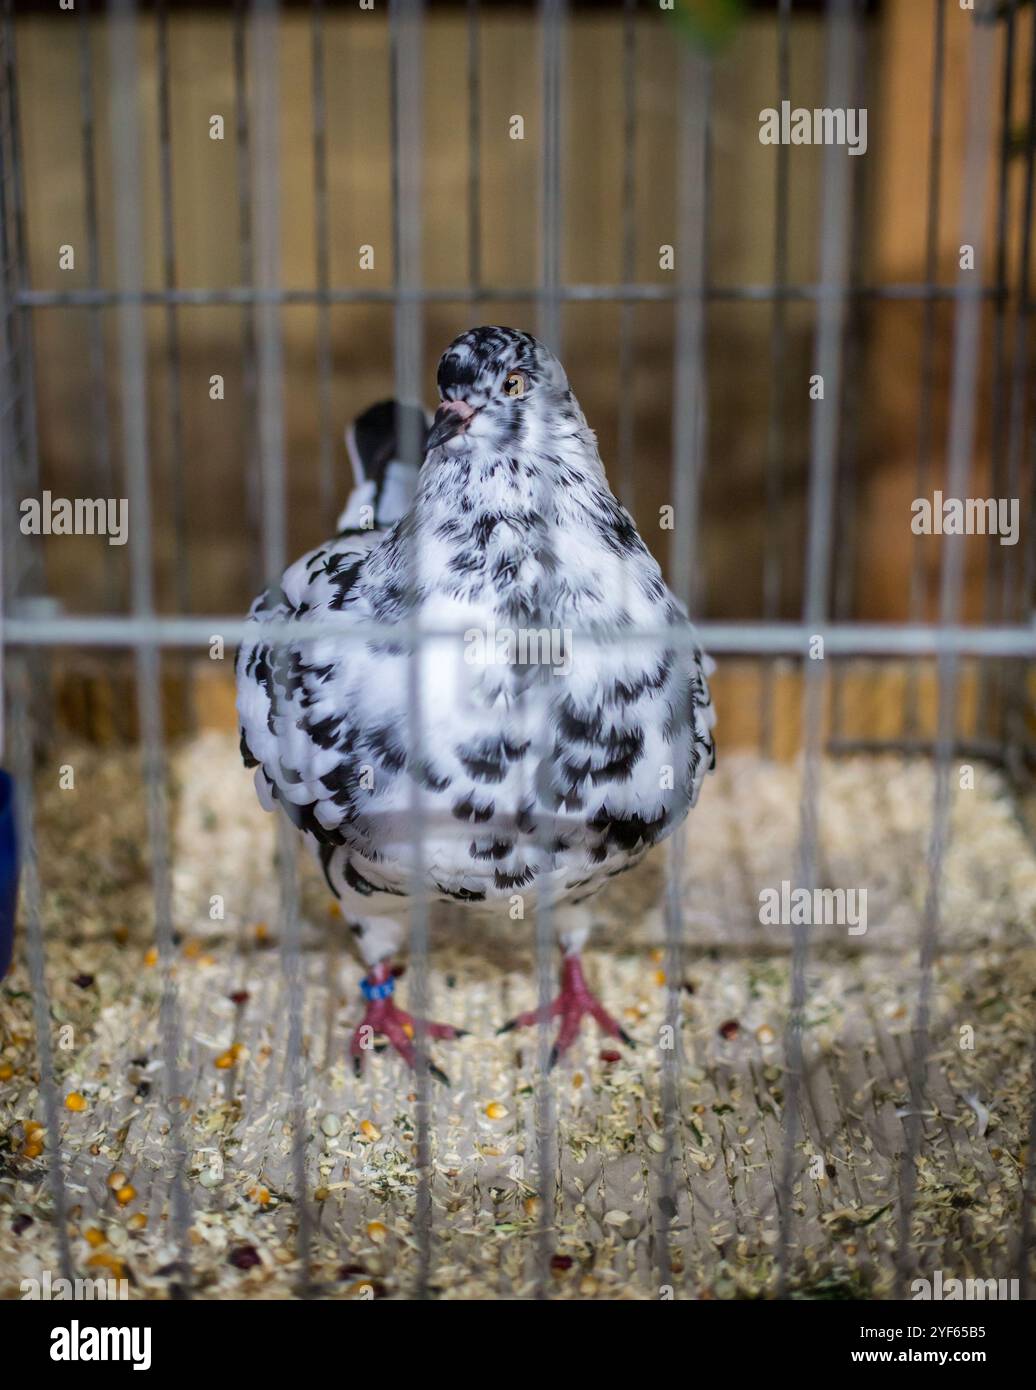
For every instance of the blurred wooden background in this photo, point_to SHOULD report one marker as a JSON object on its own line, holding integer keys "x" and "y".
{"x": 889, "y": 216}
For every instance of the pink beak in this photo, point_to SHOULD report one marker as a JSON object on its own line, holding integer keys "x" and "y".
{"x": 450, "y": 419}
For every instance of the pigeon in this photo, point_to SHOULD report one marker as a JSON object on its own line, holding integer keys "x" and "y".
{"x": 550, "y": 726}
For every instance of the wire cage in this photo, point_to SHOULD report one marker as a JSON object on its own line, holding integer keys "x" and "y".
{"x": 822, "y": 1122}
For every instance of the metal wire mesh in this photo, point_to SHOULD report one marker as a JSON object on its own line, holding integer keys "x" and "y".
{"x": 1004, "y": 643}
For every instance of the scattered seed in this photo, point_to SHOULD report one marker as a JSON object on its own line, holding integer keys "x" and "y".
{"x": 95, "y": 1237}
{"x": 559, "y": 1263}
{"x": 125, "y": 1194}
{"x": 74, "y": 1101}
{"x": 730, "y": 1029}
{"x": 495, "y": 1111}
{"x": 376, "y": 1231}
{"x": 21, "y": 1223}
{"x": 244, "y": 1257}
{"x": 83, "y": 981}
{"x": 370, "y": 1131}
{"x": 331, "y": 1125}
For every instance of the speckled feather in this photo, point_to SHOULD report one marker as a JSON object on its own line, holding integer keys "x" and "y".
{"x": 527, "y": 771}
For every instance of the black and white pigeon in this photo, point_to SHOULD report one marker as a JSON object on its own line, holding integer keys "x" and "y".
{"x": 564, "y": 720}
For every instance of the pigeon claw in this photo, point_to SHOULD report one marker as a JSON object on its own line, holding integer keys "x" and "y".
{"x": 383, "y": 1017}
{"x": 575, "y": 1001}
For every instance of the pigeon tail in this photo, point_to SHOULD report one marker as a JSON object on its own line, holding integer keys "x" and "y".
{"x": 384, "y": 484}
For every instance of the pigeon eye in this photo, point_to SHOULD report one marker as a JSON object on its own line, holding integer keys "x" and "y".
{"x": 515, "y": 384}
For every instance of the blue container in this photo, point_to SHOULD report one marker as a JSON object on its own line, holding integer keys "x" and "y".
{"x": 8, "y": 871}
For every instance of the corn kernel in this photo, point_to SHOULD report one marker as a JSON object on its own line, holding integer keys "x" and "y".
{"x": 74, "y": 1101}
{"x": 137, "y": 1222}
{"x": 112, "y": 1263}
{"x": 262, "y": 931}
{"x": 333, "y": 910}
{"x": 193, "y": 949}
{"x": 370, "y": 1131}
{"x": 151, "y": 956}
{"x": 377, "y": 1231}
{"x": 496, "y": 1111}
{"x": 32, "y": 1129}
{"x": 260, "y": 1196}
{"x": 226, "y": 1060}
{"x": 117, "y": 1179}
{"x": 577, "y": 1079}
{"x": 125, "y": 1194}
{"x": 32, "y": 1149}
{"x": 95, "y": 1237}
{"x": 6, "y": 1071}
{"x": 659, "y": 977}
{"x": 408, "y": 1029}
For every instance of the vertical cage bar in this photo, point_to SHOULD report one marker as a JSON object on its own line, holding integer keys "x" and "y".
{"x": 688, "y": 462}
{"x": 689, "y": 392}
{"x": 323, "y": 268}
{"x": 627, "y": 309}
{"x": 249, "y": 388}
{"x": 265, "y": 75}
{"x": 406, "y": 35}
{"x": 100, "y": 433}
{"x": 124, "y": 81}
{"x": 174, "y": 391}
{"x": 918, "y": 604}
{"x": 854, "y": 381}
{"x": 824, "y": 428}
{"x": 25, "y": 566}
{"x": 775, "y": 434}
{"x": 552, "y": 17}
{"x": 960, "y": 443}
{"x": 474, "y": 150}
{"x": 552, "y": 24}
{"x": 19, "y": 686}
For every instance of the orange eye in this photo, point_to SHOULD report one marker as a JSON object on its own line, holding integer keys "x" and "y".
{"x": 515, "y": 384}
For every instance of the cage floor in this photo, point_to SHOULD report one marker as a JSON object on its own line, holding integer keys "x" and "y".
{"x": 486, "y": 1221}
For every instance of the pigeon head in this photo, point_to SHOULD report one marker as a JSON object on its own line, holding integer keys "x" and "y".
{"x": 498, "y": 386}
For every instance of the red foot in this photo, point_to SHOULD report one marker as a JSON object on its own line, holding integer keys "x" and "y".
{"x": 382, "y": 1015}
{"x": 574, "y": 1001}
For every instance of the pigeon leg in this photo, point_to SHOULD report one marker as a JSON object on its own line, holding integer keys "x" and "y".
{"x": 382, "y": 1015}
{"x": 575, "y": 1001}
